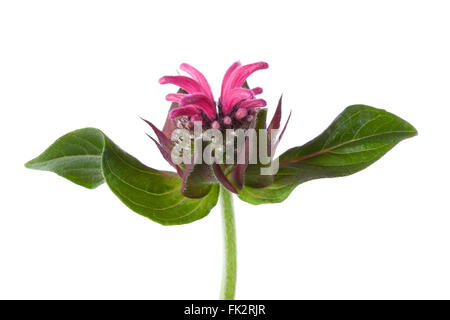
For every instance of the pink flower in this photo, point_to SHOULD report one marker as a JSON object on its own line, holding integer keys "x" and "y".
{"x": 236, "y": 103}
{"x": 236, "y": 108}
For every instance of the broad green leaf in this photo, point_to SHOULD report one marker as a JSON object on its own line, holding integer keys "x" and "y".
{"x": 358, "y": 137}
{"x": 76, "y": 156}
{"x": 88, "y": 157}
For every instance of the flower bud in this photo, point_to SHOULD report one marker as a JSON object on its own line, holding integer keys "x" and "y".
{"x": 215, "y": 125}
{"x": 227, "y": 120}
{"x": 241, "y": 113}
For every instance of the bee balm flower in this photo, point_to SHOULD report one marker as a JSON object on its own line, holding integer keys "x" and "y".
{"x": 194, "y": 102}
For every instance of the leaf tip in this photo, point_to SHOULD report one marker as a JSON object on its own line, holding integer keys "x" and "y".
{"x": 30, "y": 164}
{"x": 414, "y": 131}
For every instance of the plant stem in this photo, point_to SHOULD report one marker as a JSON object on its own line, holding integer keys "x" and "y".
{"x": 229, "y": 264}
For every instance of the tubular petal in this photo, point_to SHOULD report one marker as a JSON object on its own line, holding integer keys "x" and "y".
{"x": 202, "y": 102}
{"x": 186, "y": 83}
{"x": 184, "y": 111}
{"x": 234, "y": 97}
{"x": 240, "y": 74}
{"x": 257, "y": 90}
{"x": 251, "y": 104}
{"x": 175, "y": 97}
{"x": 196, "y": 118}
{"x": 199, "y": 77}
{"x": 226, "y": 82}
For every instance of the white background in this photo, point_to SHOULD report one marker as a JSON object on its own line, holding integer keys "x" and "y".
{"x": 383, "y": 233}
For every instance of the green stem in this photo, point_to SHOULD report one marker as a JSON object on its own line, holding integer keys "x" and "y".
{"x": 229, "y": 233}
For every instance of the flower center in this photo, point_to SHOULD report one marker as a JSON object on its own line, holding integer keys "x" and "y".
{"x": 238, "y": 118}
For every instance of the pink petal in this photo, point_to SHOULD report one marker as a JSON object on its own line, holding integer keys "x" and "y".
{"x": 235, "y": 96}
{"x": 257, "y": 90}
{"x": 199, "y": 77}
{"x": 169, "y": 124}
{"x": 175, "y": 97}
{"x": 226, "y": 78}
{"x": 202, "y": 102}
{"x": 196, "y": 118}
{"x": 251, "y": 104}
{"x": 183, "y": 111}
{"x": 183, "y": 82}
{"x": 240, "y": 74}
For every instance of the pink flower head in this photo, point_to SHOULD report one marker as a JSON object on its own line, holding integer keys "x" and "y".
{"x": 197, "y": 103}
{"x": 235, "y": 109}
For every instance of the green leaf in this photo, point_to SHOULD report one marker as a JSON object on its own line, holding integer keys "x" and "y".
{"x": 76, "y": 156}
{"x": 88, "y": 157}
{"x": 358, "y": 137}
